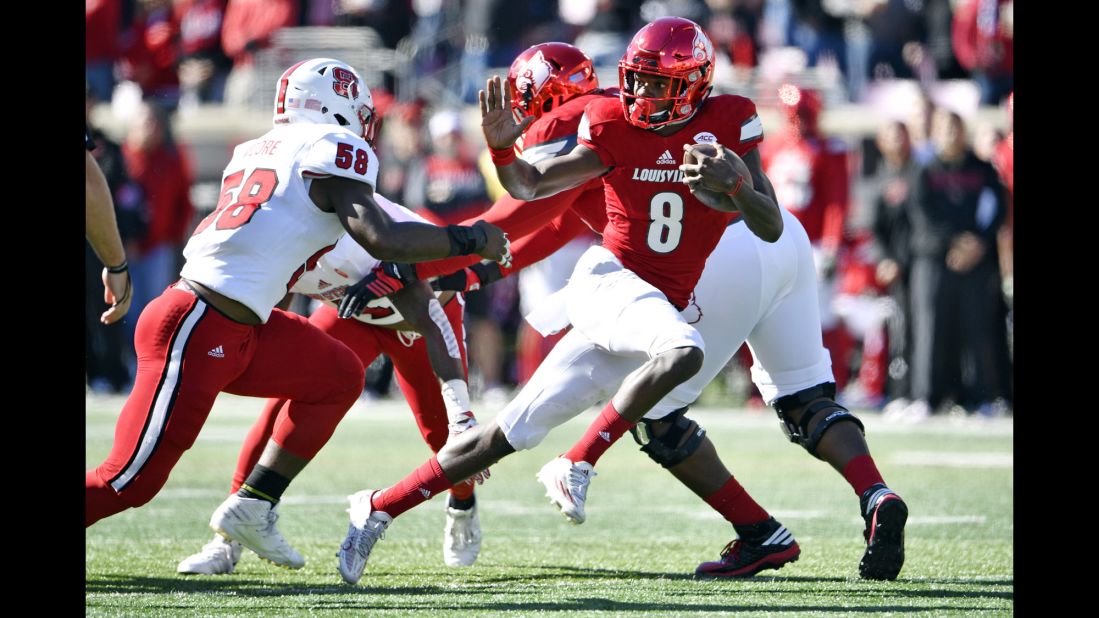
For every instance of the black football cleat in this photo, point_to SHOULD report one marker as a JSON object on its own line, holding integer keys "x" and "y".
{"x": 766, "y": 545}
{"x": 885, "y": 514}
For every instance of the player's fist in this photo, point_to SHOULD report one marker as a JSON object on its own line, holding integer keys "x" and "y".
{"x": 713, "y": 168}
{"x": 497, "y": 122}
{"x": 497, "y": 246}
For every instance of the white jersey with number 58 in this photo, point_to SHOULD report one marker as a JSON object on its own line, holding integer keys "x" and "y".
{"x": 265, "y": 231}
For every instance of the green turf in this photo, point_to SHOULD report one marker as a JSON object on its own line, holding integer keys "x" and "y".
{"x": 634, "y": 556}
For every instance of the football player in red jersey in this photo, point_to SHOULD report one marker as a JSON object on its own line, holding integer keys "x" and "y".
{"x": 777, "y": 314}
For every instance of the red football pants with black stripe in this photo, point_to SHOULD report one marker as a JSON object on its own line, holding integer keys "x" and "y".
{"x": 415, "y": 376}
{"x": 187, "y": 353}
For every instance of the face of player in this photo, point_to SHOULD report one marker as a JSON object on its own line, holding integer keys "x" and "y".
{"x": 648, "y": 85}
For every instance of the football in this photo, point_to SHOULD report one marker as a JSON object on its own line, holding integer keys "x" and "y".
{"x": 710, "y": 150}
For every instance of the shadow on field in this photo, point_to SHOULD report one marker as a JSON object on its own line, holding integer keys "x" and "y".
{"x": 490, "y": 593}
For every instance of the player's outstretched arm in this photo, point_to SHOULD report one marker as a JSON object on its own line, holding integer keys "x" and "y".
{"x": 522, "y": 180}
{"x": 402, "y": 241}
{"x": 101, "y": 230}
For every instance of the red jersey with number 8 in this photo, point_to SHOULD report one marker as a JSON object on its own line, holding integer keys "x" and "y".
{"x": 654, "y": 225}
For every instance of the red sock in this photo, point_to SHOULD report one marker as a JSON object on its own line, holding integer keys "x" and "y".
{"x": 421, "y": 485}
{"x": 861, "y": 473}
{"x": 735, "y": 505}
{"x": 601, "y": 434}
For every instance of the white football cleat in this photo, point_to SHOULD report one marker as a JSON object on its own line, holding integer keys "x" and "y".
{"x": 218, "y": 557}
{"x": 567, "y": 486}
{"x": 252, "y": 522}
{"x": 367, "y": 526}
{"x": 461, "y": 537}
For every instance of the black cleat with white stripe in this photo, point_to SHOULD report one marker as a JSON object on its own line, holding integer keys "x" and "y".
{"x": 766, "y": 545}
{"x": 885, "y": 515}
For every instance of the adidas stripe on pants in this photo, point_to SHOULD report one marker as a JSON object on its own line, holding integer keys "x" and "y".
{"x": 178, "y": 379}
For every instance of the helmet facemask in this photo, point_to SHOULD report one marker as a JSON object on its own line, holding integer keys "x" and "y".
{"x": 680, "y": 91}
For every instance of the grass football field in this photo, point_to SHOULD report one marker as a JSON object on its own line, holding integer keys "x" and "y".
{"x": 634, "y": 556}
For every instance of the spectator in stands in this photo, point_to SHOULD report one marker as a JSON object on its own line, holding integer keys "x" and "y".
{"x": 819, "y": 32}
{"x": 983, "y": 36}
{"x": 958, "y": 317}
{"x": 1003, "y": 159}
{"x": 155, "y": 162}
{"x": 203, "y": 65}
{"x": 919, "y": 128}
{"x": 608, "y": 30}
{"x": 986, "y": 139}
{"x": 248, "y": 27}
{"x": 151, "y": 52}
{"x": 939, "y": 22}
{"x": 733, "y": 27}
{"x": 102, "y": 24}
{"x": 448, "y": 186}
{"x": 497, "y": 30}
{"x": 106, "y": 346}
{"x": 891, "y": 189}
{"x": 401, "y": 151}
{"x": 391, "y": 19}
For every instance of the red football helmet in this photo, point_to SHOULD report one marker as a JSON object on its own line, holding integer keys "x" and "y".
{"x": 546, "y": 75}
{"x": 670, "y": 47}
{"x": 802, "y": 107}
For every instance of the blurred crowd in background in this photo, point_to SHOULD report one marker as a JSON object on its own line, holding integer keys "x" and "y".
{"x": 888, "y": 133}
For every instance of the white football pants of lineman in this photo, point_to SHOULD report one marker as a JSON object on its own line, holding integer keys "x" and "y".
{"x": 751, "y": 290}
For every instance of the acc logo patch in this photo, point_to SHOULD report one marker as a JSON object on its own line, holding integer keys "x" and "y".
{"x": 705, "y": 138}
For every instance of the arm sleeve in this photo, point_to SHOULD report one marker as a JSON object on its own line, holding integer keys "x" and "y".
{"x": 751, "y": 132}
{"x": 517, "y": 218}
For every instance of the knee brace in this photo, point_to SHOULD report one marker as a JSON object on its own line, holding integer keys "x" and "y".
{"x": 799, "y": 432}
{"x": 682, "y": 438}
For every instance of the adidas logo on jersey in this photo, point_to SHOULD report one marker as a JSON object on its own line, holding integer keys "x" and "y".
{"x": 217, "y": 352}
{"x": 605, "y": 435}
{"x": 321, "y": 284}
{"x": 666, "y": 158}
{"x": 426, "y": 493}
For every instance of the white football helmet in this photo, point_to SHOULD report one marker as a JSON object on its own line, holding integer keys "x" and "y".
{"x": 326, "y": 91}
